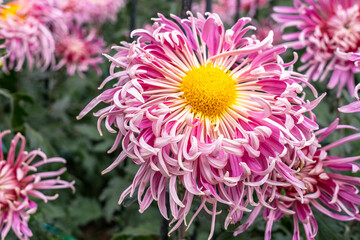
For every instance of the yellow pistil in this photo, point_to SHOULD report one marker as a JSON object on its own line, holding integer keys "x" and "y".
{"x": 209, "y": 90}
{"x": 11, "y": 10}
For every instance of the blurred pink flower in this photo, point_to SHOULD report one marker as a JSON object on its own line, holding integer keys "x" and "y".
{"x": 79, "y": 50}
{"x": 90, "y": 11}
{"x": 73, "y": 9}
{"x": 265, "y": 26}
{"x": 100, "y": 11}
{"x": 21, "y": 182}
{"x": 24, "y": 25}
{"x": 193, "y": 104}
{"x": 308, "y": 178}
{"x": 227, "y": 8}
{"x": 325, "y": 28}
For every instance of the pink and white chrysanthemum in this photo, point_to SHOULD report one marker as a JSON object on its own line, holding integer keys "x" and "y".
{"x": 325, "y": 28}
{"x": 21, "y": 181}
{"x": 226, "y": 9}
{"x": 193, "y": 104}
{"x": 24, "y": 24}
{"x": 79, "y": 49}
{"x": 309, "y": 178}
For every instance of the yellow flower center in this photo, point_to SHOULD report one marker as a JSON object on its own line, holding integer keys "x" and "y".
{"x": 11, "y": 10}
{"x": 209, "y": 90}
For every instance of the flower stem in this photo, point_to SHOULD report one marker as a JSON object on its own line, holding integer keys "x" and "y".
{"x": 237, "y": 13}
{"x": 185, "y": 6}
{"x": 132, "y": 15}
{"x": 181, "y": 232}
{"x": 208, "y": 5}
{"x": 164, "y": 229}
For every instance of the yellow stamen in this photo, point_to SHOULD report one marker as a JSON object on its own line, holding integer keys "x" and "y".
{"x": 209, "y": 90}
{"x": 11, "y": 10}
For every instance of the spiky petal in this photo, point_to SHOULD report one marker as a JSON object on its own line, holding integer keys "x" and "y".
{"x": 22, "y": 182}
{"x": 311, "y": 179}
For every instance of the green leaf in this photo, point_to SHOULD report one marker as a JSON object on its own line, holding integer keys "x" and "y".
{"x": 2, "y": 50}
{"x": 84, "y": 210}
{"x": 4, "y": 92}
{"x": 37, "y": 140}
{"x": 328, "y": 227}
{"x": 19, "y": 110}
{"x": 111, "y": 195}
{"x": 144, "y": 231}
{"x": 103, "y": 146}
{"x": 88, "y": 131}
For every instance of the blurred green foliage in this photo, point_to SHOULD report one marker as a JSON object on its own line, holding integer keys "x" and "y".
{"x": 44, "y": 105}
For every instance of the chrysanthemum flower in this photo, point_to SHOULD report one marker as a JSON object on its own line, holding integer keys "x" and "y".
{"x": 226, "y": 9}
{"x": 326, "y": 27}
{"x": 24, "y": 25}
{"x": 21, "y": 181}
{"x": 193, "y": 104}
{"x": 79, "y": 49}
{"x": 306, "y": 179}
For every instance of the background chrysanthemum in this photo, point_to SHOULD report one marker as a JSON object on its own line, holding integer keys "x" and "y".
{"x": 22, "y": 181}
{"x": 79, "y": 49}
{"x": 24, "y": 24}
{"x": 194, "y": 104}
{"x": 324, "y": 27}
{"x": 308, "y": 178}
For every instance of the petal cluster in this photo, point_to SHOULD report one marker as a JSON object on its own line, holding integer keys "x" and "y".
{"x": 222, "y": 158}
{"x": 329, "y": 31}
{"x": 22, "y": 182}
{"x": 308, "y": 178}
